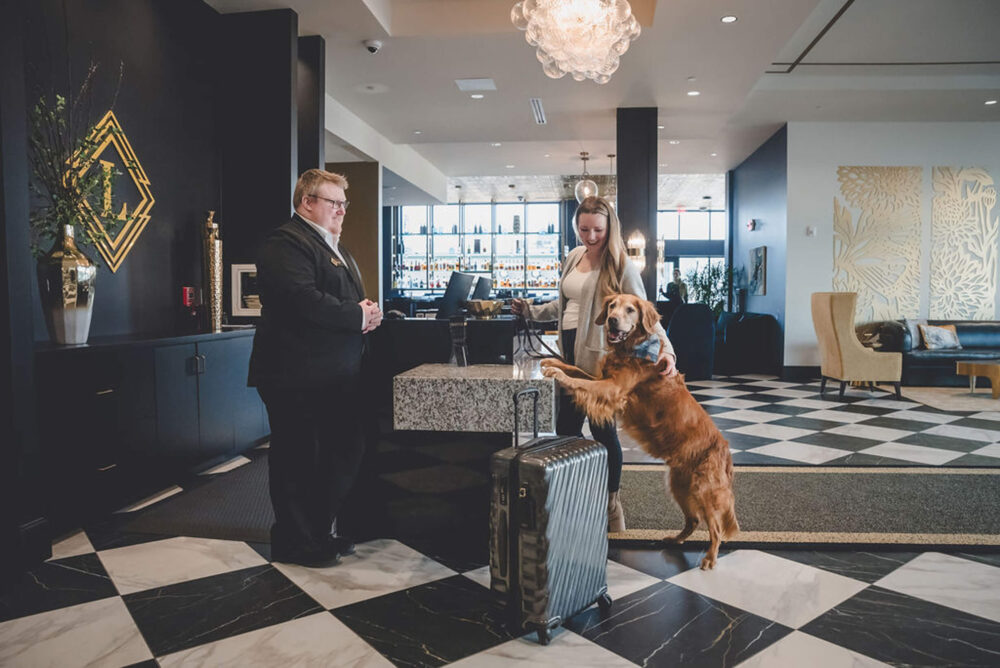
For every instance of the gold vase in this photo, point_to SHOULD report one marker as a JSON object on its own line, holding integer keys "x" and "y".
{"x": 66, "y": 279}
{"x": 212, "y": 273}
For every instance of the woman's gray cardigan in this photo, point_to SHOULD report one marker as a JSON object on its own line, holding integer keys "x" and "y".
{"x": 590, "y": 343}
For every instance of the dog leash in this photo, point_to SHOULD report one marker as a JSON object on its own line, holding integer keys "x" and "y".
{"x": 526, "y": 337}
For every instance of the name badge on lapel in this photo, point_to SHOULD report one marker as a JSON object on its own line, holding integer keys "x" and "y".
{"x": 335, "y": 262}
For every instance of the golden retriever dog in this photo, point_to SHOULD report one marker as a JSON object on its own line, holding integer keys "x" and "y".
{"x": 661, "y": 415}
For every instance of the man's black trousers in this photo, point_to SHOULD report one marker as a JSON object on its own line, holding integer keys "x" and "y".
{"x": 316, "y": 449}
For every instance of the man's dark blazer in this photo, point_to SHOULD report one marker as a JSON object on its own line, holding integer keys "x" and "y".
{"x": 309, "y": 333}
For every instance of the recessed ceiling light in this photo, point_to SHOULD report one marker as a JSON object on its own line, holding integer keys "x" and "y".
{"x": 694, "y": 93}
{"x": 477, "y": 96}
{"x": 728, "y": 19}
{"x": 714, "y": 154}
{"x": 691, "y": 79}
{"x": 510, "y": 166}
{"x": 496, "y": 144}
{"x": 675, "y": 141}
{"x": 548, "y": 155}
{"x": 991, "y": 101}
{"x": 660, "y": 127}
{"x": 418, "y": 132}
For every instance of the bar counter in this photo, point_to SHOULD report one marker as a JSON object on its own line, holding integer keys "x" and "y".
{"x": 476, "y": 398}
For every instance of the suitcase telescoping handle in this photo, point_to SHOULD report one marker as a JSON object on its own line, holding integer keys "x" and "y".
{"x": 533, "y": 391}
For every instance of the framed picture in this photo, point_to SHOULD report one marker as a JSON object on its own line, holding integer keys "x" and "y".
{"x": 246, "y": 299}
{"x": 758, "y": 271}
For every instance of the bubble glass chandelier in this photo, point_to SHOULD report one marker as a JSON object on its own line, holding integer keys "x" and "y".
{"x": 582, "y": 38}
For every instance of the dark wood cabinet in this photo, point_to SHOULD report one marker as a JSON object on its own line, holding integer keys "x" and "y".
{"x": 120, "y": 415}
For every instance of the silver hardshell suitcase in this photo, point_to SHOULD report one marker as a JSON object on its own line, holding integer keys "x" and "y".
{"x": 548, "y": 527}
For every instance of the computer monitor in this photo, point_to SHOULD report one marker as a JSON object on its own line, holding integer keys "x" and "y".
{"x": 482, "y": 289}
{"x": 455, "y": 295}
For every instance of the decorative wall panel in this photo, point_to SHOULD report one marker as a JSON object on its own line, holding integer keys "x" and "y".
{"x": 964, "y": 226}
{"x": 876, "y": 240}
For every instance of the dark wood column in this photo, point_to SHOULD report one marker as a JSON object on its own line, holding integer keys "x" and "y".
{"x": 637, "y": 137}
{"x": 312, "y": 102}
{"x": 24, "y": 538}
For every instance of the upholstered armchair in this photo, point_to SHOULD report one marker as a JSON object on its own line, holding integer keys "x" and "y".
{"x": 842, "y": 357}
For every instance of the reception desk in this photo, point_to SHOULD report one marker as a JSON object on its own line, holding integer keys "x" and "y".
{"x": 475, "y": 398}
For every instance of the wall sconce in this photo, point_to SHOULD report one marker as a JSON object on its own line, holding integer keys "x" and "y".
{"x": 751, "y": 225}
{"x": 659, "y": 253}
{"x": 636, "y": 249}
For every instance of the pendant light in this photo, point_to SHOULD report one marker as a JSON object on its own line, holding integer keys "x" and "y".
{"x": 585, "y": 187}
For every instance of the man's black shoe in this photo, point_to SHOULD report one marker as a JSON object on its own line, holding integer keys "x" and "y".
{"x": 343, "y": 545}
{"x": 312, "y": 557}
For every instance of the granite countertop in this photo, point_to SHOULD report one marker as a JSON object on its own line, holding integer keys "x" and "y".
{"x": 479, "y": 397}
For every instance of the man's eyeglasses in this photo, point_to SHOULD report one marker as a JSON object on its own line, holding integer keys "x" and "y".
{"x": 337, "y": 204}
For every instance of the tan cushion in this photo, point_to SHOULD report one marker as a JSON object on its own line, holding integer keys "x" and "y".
{"x": 943, "y": 337}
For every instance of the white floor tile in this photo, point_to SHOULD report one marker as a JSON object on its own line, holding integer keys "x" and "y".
{"x": 479, "y": 576}
{"x": 773, "y": 431}
{"x": 987, "y": 415}
{"x": 799, "y": 649}
{"x": 733, "y": 402}
{"x": 792, "y": 394}
{"x": 709, "y": 383}
{"x": 227, "y": 465}
{"x": 749, "y": 415}
{"x": 835, "y": 416}
{"x": 71, "y": 546}
{"x": 807, "y": 403}
{"x": 778, "y": 589}
{"x": 968, "y": 433}
{"x": 756, "y": 376}
{"x": 958, "y": 583}
{"x": 800, "y": 452}
{"x": 918, "y": 454}
{"x": 868, "y": 431}
{"x": 378, "y": 567}
{"x": 922, "y": 416}
{"x": 316, "y": 640}
{"x": 99, "y": 633}
{"x": 565, "y": 649}
{"x": 889, "y": 403}
{"x": 775, "y": 384}
{"x": 172, "y": 560}
{"x": 623, "y": 580}
{"x": 718, "y": 392}
{"x": 150, "y": 500}
{"x": 991, "y": 450}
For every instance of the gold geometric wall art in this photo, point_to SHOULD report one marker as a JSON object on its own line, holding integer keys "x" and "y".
{"x": 114, "y": 153}
{"x": 964, "y": 236}
{"x": 876, "y": 240}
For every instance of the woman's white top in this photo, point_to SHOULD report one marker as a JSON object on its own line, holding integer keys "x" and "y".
{"x": 572, "y": 289}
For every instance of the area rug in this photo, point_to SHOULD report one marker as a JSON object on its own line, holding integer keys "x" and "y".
{"x": 904, "y": 506}
{"x": 953, "y": 398}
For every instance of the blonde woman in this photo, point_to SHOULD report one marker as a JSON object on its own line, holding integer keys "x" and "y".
{"x": 598, "y": 267}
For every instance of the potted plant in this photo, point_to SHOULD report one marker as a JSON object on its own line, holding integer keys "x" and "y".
{"x": 71, "y": 208}
{"x": 711, "y": 285}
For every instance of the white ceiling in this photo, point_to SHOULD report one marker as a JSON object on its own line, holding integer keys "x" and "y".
{"x": 829, "y": 60}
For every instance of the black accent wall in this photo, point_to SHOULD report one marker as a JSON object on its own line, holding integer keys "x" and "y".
{"x": 311, "y": 102}
{"x": 167, "y": 106}
{"x": 760, "y": 192}
{"x": 637, "y": 135}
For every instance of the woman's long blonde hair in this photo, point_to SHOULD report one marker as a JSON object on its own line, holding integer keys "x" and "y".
{"x": 609, "y": 281}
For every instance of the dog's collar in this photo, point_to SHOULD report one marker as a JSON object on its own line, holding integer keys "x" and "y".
{"x": 648, "y": 349}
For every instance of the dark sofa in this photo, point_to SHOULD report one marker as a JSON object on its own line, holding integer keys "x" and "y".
{"x": 980, "y": 340}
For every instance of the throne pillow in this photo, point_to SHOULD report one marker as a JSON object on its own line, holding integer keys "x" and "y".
{"x": 939, "y": 338}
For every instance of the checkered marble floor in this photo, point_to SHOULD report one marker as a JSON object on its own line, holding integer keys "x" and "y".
{"x": 114, "y": 599}
{"x": 771, "y": 422}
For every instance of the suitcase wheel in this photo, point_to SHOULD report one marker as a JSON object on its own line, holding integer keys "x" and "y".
{"x": 604, "y": 603}
{"x": 543, "y": 636}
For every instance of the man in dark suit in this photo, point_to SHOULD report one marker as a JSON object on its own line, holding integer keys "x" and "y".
{"x": 306, "y": 365}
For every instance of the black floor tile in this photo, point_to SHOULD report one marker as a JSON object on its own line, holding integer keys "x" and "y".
{"x": 201, "y": 611}
{"x": 745, "y": 441}
{"x": 902, "y": 630}
{"x": 56, "y": 584}
{"x": 762, "y": 397}
{"x": 666, "y": 625}
{"x": 874, "y": 411}
{"x": 977, "y": 423}
{"x": 714, "y": 410}
{"x": 432, "y": 624}
{"x": 744, "y": 458}
{"x": 896, "y": 423}
{"x": 784, "y": 409}
{"x": 975, "y": 461}
{"x": 725, "y": 423}
{"x": 661, "y": 561}
{"x": 807, "y": 423}
{"x": 838, "y": 441}
{"x": 460, "y": 552}
{"x": 942, "y": 442}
